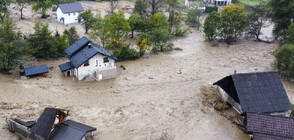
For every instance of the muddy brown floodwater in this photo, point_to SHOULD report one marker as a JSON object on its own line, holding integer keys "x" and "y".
{"x": 151, "y": 99}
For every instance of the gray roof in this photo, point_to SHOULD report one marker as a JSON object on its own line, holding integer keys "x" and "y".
{"x": 45, "y": 123}
{"x": 35, "y": 70}
{"x": 70, "y": 130}
{"x": 267, "y": 127}
{"x": 83, "y": 50}
{"x": 257, "y": 92}
{"x": 65, "y": 66}
{"x": 71, "y": 7}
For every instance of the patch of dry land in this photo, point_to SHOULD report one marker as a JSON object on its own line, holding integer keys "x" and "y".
{"x": 151, "y": 99}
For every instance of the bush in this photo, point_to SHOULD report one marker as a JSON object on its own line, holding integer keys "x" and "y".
{"x": 181, "y": 31}
{"x": 285, "y": 60}
{"x": 126, "y": 53}
{"x": 210, "y": 9}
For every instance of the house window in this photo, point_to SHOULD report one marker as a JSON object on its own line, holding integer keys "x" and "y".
{"x": 68, "y": 14}
{"x": 97, "y": 62}
{"x": 105, "y": 60}
{"x": 74, "y": 13}
{"x": 86, "y": 64}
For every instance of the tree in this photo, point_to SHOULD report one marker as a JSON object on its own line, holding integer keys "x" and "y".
{"x": 126, "y": 53}
{"x": 155, "y": 6}
{"x": 4, "y": 13}
{"x": 87, "y": 19}
{"x": 60, "y": 43}
{"x": 159, "y": 37}
{"x": 175, "y": 21}
{"x": 135, "y": 22}
{"x": 43, "y": 6}
{"x": 288, "y": 35}
{"x": 71, "y": 35}
{"x": 285, "y": 60}
{"x": 42, "y": 42}
{"x": 11, "y": 46}
{"x": 233, "y": 22}
{"x": 113, "y": 6}
{"x": 144, "y": 43}
{"x": 21, "y": 5}
{"x": 112, "y": 30}
{"x": 141, "y": 8}
{"x": 193, "y": 17}
{"x": 256, "y": 19}
{"x": 212, "y": 25}
{"x": 282, "y": 14}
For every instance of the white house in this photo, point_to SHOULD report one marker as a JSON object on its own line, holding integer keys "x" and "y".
{"x": 220, "y": 2}
{"x": 68, "y": 13}
{"x": 89, "y": 61}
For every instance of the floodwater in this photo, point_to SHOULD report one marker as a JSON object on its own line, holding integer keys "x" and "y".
{"x": 159, "y": 96}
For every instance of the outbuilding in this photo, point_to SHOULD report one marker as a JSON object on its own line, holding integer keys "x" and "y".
{"x": 32, "y": 71}
{"x": 68, "y": 13}
{"x": 259, "y": 92}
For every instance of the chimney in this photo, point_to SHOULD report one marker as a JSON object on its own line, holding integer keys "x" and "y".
{"x": 89, "y": 45}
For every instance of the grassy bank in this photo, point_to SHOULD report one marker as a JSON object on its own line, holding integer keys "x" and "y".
{"x": 252, "y": 2}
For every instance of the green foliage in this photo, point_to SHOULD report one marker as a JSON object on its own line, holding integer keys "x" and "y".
{"x": 210, "y": 9}
{"x": 87, "y": 19}
{"x": 193, "y": 18}
{"x": 135, "y": 22}
{"x": 212, "y": 25}
{"x": 112, "y": 30}
{"x": 43, "y": 43}
{"x": 155, "y": 6}
{"x": 288, "y": 35}
{"x": 98, "y": 0}
{"x": 42, "y": 6}
{"x": 234, "y": 22}
{"x": 282, "y": 14}
{"x": 144, "y": 43}
{"x": 71, "y": 35}
{"x": 11, "y": 46}
{"x": 141, "y": 8}
{"x": 159, "y": 37}
{"x": 56, "y": 2}
{"x": 126, "y": 53}
{"x": 175, "y": 21}
{"x": 60, "y": 43}
{"x": 256, "y": 19}
{"x": 285, "y": 60}
{"x": 4, "y": 13}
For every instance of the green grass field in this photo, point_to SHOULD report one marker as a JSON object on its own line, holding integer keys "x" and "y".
{"x": 252, "y": 2}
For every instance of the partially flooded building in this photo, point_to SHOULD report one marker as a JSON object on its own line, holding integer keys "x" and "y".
{"x": 260, "y": 92}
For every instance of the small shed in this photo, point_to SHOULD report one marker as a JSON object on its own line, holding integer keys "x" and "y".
{"x": 32, "y": 71}
{"x": 267, "y": 127}
{"x": 260, "y": 92}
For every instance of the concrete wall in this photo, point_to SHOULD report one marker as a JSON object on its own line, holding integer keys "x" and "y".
{"x": 236, "y": 106}
{"x": 83, "y": 71}
{"x": 68, "y": 19}
{"x": 106, "y": 74}
{"x": 218, "y": 2}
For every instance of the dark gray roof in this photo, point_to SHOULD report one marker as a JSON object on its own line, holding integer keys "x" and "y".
{"x": 71, "y": 7}
{"x": 257, "y": 92}
{"x": 65, "y": 66}
{"x": 260, "y": 136}
{"x": 78, "y": 45}
{"x": 45, "y": 123}
{"x": 35, "y": 70}
{"x": 70, "y": 130}
{"x": 83, "y": 50}
{"x": 269, "y": 127}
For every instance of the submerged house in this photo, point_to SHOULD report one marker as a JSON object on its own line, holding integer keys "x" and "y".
{"x": 68, "y": 13}
{"x": 89, "y": 61}
{"x": 220, "y": 2}
{"x": 267, "y": 127}
{"x": 45, "y": 128}
{"x": 260, "y": 92}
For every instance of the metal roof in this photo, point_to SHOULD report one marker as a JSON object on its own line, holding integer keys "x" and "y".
{"x": 257, "y": 92}
{"x": 269, "y": 127}
{"x": 45, "y": 123}
{"x": 65, "y": 66}
{"x": 71, "y": 7}
{"x": 35, "y": 70}
{"x": 70, "y": 130}
{"x": 83, "y": 50}
{"x": 78, "y": 45}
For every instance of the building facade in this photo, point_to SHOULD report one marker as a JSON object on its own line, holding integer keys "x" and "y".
{"x": 220, "y": 2}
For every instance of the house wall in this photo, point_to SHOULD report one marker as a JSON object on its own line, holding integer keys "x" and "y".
{"x": 83, "y": 71}
{"x": 220, "y": 2}
{"x": 236, "y": 106}
{"x": 67, "y": 19}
